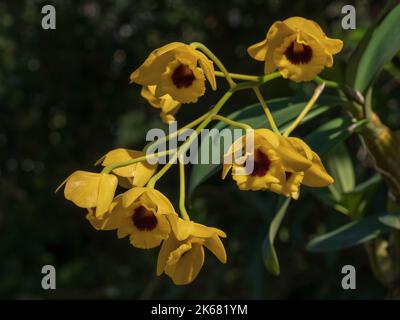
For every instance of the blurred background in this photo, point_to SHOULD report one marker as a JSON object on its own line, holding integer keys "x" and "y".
{"x": 65, "y": 100}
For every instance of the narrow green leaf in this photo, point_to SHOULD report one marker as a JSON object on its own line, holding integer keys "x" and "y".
{"x": 351, "y": 203}
{"x": 351, "y": 234}
{"x": 330, "y": 134}
{"x": 268, "y": 250}
{"x": 379, "y": 45}
{"x": 391, "y": 221}
{"x": 340, "y": 167}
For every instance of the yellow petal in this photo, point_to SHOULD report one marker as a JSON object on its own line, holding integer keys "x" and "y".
{"x": 225, "y": 170}
{"x": 188, "y": 266}
{"x": 208, "y": 69}
{"x": 258, "y": 50}
{"x": 164, "y": 206}
{"x": 183, "y": 229}
{"x": 149, "y": 72}
{"x": 270, "y": 137}
{"x": 124, "y": 231}
{"x": 292, "y": 159}
{"x": 301, "y": 147}
{"x": 148, "y": 92}
{"x": 140, "y": 171}
{"x": 96, "y": 223}
{"x": 145, "y": 240}
{"x": 167, "y": 247}
{"x": 144, "y": 171}
{"x": 214, "y": 244}
{"x": 131, "y": 195}
{"x": 82, "y": 188}
{"x": 302, "y": 24}
{"x": 112, "y": 220}
{"x": 316, "y": 175}
{"x": 333, "y": 46}
{"x": 107, "y": 186}
{"x": 275, "y": 37}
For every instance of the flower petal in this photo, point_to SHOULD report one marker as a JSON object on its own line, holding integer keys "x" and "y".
{"x": 208, "y": 68}
{"x": 167, "y": 247}
{"x": 82, "y": 187}
{"x": 149, "y": 72}
{"x": 107, "y": 186}
{"x": 188, "y": 266}
{"x": 258, "y": 50}
{"x": 316, "y": 175}
{"x": 333, "y": 46}
{"x": 214, "y": 244}
{"x": 131, "y": 195}
{"x": 123, "y": 155}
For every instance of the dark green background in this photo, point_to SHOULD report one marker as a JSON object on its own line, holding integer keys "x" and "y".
{"x": 65, "y": 100}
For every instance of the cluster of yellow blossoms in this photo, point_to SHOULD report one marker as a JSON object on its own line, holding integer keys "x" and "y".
{"x": 144, "y": 214}
{"x": 176, "y": 74}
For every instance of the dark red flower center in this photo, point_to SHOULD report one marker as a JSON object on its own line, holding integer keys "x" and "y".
{"x": 261, "y": 164}
{"x": 144, "y": 219}
{"x": 183, "y": 76}
{"x": 298, "y": 53}
{"x": 288, "y": 175}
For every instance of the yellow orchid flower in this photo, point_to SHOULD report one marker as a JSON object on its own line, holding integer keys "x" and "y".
{"x": 134, "y": 175}
{"x": 316, "y": 175}
{"x": 181, "y": 256}
{"x": 297, "y": 47}
{"x": 270, "y": 155}
{"x": 90, "y": 190}
{"x": 177, "y": 70}
{"x": 141, "y": 214}
{"x": 281, "y": 164}
{"x": 169, "y": 107}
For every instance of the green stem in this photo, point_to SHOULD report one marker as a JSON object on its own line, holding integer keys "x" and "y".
{"x": 317, "y": 92}
{"x": 213, "y": 57}
{"x": 238, "y": 76}
{"x": 328, "y": 83}
{"x": 182, "y": 149}
{"x": 114, "y": 166}
{"x": 182, "y": 191}
{"x": 232, "y": 123}
{"x": 156, "y": 177}
{"x": 267, "y": 111}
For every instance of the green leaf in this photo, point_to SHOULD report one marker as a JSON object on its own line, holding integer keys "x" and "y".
{"x": 391, "y": 221}
{"x": 331, "y": 133}
{"x": 284, "y": 111}
{"x": 379, "y": 46}
{"x": 268, "y": 250}
{"x": 351, "y": 203}
{"x": 340, "y": 167}
{"x": 351, "y": 234}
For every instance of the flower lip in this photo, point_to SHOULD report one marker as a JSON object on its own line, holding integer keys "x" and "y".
{"x": 144, "y": 219}
{"x": 183, "y": 76}
{"x": 298, "y": 53}
{"x": 261, "y": 164}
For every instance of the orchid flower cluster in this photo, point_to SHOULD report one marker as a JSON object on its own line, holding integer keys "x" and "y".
{"x": 176, "y": 75}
